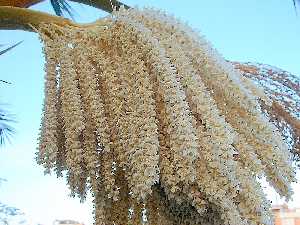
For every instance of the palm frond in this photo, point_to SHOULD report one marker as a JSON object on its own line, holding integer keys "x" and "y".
{"x": 6, "y": 130}
{"x": 9, "y": 48}
{"x": 6, "y": 50}
{"x": 296, "y": 2}
{"x": 60, "y": 7}
{"x": 4, "y": 81}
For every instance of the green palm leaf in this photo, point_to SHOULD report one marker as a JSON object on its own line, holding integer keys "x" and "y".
{"x": 60, "y": 7}
{"x": 6, "y": 130}
{"x": 9, "y": 48}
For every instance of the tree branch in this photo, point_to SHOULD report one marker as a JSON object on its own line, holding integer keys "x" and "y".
{"x": 105, "y": 5}
{"x": 19, "y": 3}
{"x": 14, "y": 18}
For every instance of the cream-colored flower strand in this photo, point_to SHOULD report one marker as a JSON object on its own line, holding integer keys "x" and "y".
{"x": 93, "y": 108}
{"x": 144, "y": 41}
{"x": 143, "y": 113}
{"x": 214, "y": 125}
{"x": 182, "y": 134}
{"x": 256, "y": 126}
{"x": 105, "y": 72}
{"x": 61, "y": 139}
{"x": 208, "y": 62}
{"x": 48, "y": 146}
{"x": 192, "y": 86}
{"x": 71, "y": 110}
{"x": 195, "y": 88}
{"x": 208, "y": 159}
{"x": 139, "y": 115}
{"x": 115, "y": 88}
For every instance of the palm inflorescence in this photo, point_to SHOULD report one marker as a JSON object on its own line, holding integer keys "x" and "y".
{"x": 143, "y": 112}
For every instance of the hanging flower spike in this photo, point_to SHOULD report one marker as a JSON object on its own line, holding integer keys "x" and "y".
{"x": 144, "y": 114}
{"x": 48, "y": 149}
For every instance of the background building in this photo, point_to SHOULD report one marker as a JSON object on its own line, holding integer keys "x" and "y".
{"x": 285, "y": 216}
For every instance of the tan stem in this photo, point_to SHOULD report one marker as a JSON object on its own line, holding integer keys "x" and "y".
{"x": 106, "y": 5}
{"x": 14, "y": 18}
{"x": 19, "y": 3}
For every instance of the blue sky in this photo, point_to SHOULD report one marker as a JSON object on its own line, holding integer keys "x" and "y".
{"x": 258, "y": 31}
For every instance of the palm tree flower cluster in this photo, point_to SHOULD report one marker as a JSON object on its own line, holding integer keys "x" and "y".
{"x": 144, "y": 113}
